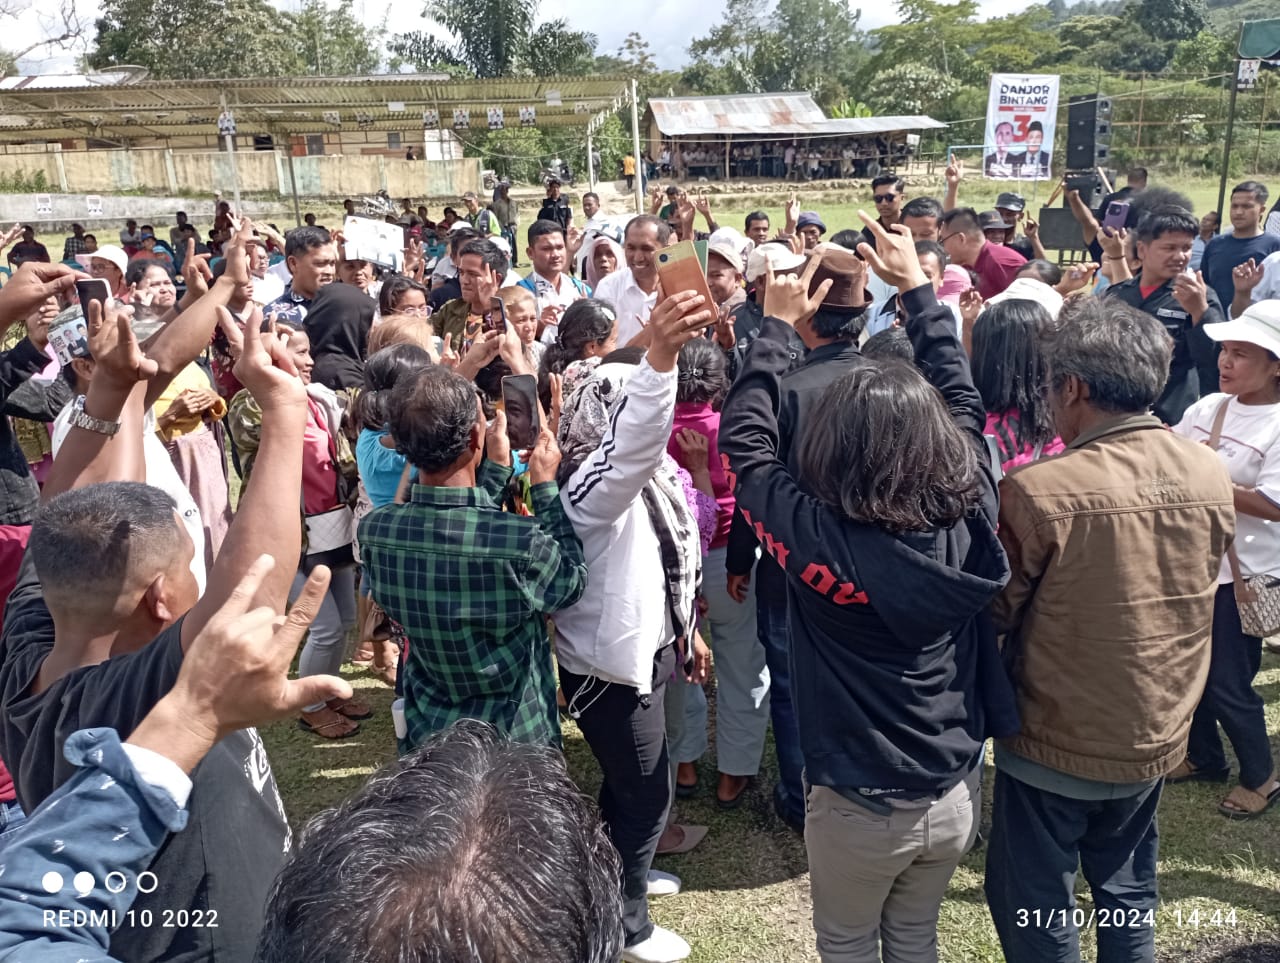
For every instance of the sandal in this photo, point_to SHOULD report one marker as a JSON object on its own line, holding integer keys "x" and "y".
{"x": 1243, "y": 803}
{"x": 350, "y": 708}
{"x": 1185, "y": 772}
{"x": 686, "y": 789}
{"x": 333, "y": 726}
{"x": 734, "y": 801}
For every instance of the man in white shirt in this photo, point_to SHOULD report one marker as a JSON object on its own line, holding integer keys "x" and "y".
{"x": 1255, "y": 282}
{"x": 634, "y": 290}
{"x": 551, "y": 287}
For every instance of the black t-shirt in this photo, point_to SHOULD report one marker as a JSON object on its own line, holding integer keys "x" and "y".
{"x": 1022, "y": 244}
{"x": 557, "y": 210}
{"x": 236, "y": 836}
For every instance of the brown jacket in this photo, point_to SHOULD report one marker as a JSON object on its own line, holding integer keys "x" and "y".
{"x": 1114, "y": 548}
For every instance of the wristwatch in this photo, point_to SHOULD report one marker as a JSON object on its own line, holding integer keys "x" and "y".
{"x": 89, "y": 423}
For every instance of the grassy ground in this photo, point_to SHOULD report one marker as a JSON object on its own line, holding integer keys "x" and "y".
{"x": 746, "y": 889}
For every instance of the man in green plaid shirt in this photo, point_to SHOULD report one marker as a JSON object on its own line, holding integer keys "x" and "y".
{"x": 471, "y": 584}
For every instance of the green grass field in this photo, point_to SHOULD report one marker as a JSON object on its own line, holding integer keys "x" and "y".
{"x": 746, "y": 887}
{"x": 746, "y": 890}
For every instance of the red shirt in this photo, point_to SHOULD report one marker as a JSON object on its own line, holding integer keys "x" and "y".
{"x": 996, "y": 268}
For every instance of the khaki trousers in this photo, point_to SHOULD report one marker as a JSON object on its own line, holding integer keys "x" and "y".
{"x": 878, "y": 880}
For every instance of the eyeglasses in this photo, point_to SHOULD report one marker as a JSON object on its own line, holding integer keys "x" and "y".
{"x": 885, "y": 198}
{"x": 944, "y": 240}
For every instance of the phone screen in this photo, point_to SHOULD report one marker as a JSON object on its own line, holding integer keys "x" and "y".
{"x": 92, "y": 289}
{"x": 495, "y": 319}
{"x": 520, "y": 400}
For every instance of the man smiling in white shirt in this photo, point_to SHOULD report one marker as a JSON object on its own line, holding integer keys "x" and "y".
{"x": 634, "y": 290}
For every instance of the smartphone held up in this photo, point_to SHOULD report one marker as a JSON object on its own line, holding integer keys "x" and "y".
{"x": 520, "y": 401}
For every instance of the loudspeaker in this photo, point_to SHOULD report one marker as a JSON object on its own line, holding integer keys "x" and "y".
{"x": 1088, "y": 132}
{"x": 1059, "y": 230}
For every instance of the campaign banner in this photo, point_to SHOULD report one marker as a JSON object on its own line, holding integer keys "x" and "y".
{"x": 1022, "y": 112}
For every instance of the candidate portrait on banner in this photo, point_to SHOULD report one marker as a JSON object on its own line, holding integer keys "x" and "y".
{"x": 1022, "y": 114}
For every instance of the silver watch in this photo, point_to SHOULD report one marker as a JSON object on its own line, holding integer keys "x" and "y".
{"x": 89, "y": 423}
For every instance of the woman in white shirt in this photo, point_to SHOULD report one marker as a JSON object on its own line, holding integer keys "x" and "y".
{"x": 1248, "y": 411}
{"x": 617, "y": 646}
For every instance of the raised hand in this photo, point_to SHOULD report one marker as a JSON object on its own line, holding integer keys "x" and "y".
{"x": 38, "y": 321}
{"x": 702, "y": 204}
{"x": 793, "y": 212}
{"x": 894, "y": 257}
{"x": 1076, "y": 278}
{"x": 1247, "y": 276}
{"x": 1111, "y": 240}
{"x": 266, "y": 369}
{"x": 1031, "y": 228}
{"x": 953, "y": 174}
{"x": 497, "y": 446}
{"x": 787, "y": 297}
{"x": 673, "y": 322}
{"x": 114, "y": 348}
{"x": 971, "y": 303}
{"x": 695, "y": 448}
{"x": 726, "y": 337}
{"x": 1190, "y": 291}
{"x": 543, "y": 458}
{"x": 235, "y": 674}
{"x": 31, "y": 285}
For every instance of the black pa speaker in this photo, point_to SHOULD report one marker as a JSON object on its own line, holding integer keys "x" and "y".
{"x": 1088, "y": 132}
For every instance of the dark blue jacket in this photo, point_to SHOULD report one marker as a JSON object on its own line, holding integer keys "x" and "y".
{"x": 896, "y": 675}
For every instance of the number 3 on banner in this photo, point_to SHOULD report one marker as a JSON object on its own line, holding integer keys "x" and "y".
{"x": 1020, "y": 122}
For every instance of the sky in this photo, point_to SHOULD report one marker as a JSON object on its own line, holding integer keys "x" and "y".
{"x": 668, "y": 25}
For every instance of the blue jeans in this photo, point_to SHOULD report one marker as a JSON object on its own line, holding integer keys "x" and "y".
{"x": 11, "y": 819}
{"x": 1038, "y": 841}
{"x": 771, "y": 629}
{"x": 1231, "y": 701}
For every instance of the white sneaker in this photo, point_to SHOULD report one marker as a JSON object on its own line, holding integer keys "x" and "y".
{"x": 663, "y": 884}
{"x": 662, "y": 946}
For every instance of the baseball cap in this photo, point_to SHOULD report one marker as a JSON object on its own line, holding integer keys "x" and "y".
{"x": 1009, "y": 201}
{"x": 1259, "y": 324}
{"x": 847, "y": 273}
{"x": 724, "y": 249}
{"x": 778, "y": 256}
{"x": 810, "y": 219}
{"x": 106, "y": 252}
{"x": 993, "y": 221}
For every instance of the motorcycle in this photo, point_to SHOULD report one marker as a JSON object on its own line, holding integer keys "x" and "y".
{"x": 379, "y": 205}
{"x": 558, "y": 170}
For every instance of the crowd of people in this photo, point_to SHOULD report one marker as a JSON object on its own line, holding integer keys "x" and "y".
{"x": 899, "y": 490}
{"x": 796, "y": 160}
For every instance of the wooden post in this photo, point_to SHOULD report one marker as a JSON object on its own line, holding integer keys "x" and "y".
{"x": 728, "y": 142}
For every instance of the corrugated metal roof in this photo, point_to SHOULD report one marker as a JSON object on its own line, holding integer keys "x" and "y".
{"x": 73, "y": 107}
{"x": 778, "y": 115}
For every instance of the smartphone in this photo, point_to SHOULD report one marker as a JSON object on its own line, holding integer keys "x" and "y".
{"x": 92, "y": 289}
{"x": 520, "y": 400}
{"x": 69, "y": 335}
{"x": 679, "y": 269}
{"x": 495, "y": 319}
{"x": 1117, "y": 214}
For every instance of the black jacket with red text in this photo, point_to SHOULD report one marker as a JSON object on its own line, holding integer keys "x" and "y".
{"x": 895, "y": 672}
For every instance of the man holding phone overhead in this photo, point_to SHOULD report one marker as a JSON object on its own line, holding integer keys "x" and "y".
{"x": 480, "y": 650}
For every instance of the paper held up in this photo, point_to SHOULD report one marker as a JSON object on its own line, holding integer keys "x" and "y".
{"x": 380, "y": 243}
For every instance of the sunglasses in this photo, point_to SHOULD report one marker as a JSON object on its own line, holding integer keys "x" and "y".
{"x": 885, "y": 198}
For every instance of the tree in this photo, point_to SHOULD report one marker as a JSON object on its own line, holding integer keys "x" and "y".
{"x": 61, "y": 29}
{"x": 176, "y": 40}
{"x": 810, "y": 45}
{"x": 334, "y": 42}
{"x": 1172, "y": 19}
{"x": 556, "y": 50}
{"x": 497, "y": 38}
{"x": 911, "y": 89}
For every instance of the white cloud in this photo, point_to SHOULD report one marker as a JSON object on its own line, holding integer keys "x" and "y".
{"x": 668, "y": 25}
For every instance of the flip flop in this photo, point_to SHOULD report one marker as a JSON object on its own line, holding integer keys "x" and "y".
{"x": 736, "y": 801}
{"x": 1185, "y": 772}
{"x": 1243, "y": 803}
